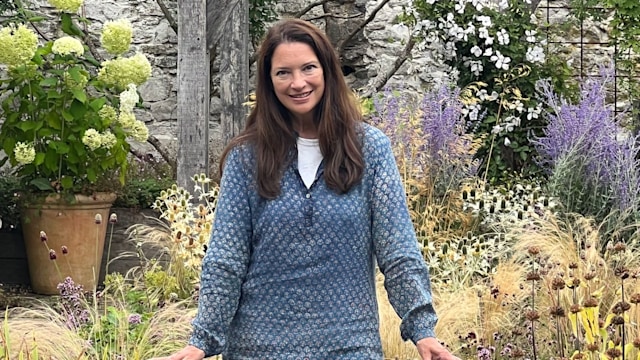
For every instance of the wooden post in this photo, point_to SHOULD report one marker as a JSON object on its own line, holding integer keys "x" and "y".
{"x": 234, "y": 71}
{"x": 193, "y": 92}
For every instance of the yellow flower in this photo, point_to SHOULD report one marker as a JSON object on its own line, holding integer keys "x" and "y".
{"x": 67, "y": 45}
{"x": 25, "y": 153}
{"x": 124, "y": 71}
{"x": 116, "y": 36}
{"x": 139, "y": 131}
{"x": 17, "y": 45}
{"x": 71, "y": 6}
{"x": 92, "y": 139}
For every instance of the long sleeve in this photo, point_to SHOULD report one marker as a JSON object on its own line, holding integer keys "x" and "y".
{"x": 226, "y": 260}
{"x": 406, "y": 273}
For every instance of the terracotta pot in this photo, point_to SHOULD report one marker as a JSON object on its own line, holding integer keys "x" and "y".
{"x": 69, "y": 224}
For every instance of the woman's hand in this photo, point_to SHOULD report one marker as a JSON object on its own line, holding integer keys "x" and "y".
{"x": 188, "y": 353}
{"x": 431, "y": 349}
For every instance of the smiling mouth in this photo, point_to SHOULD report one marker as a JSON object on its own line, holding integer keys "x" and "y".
{"x": 301, "y": 96}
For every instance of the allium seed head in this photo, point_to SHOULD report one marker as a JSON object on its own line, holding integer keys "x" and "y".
{"x": 617, "y": 320}
{"x": 557, "y": 311}
{"x": 635, "y": 298}
{"x": 619, "y": 247}
{"x": 43, "y": 236}
{"x": 533, "y": 276}
{"x": 533, "y": 250}
{"x": 575, "y": 308}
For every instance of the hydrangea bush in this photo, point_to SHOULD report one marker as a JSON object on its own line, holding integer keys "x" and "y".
{"x": 496, "y": 47}
{"x": 66, "y": 117}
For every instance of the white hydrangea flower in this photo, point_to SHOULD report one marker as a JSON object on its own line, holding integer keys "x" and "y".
{"x": 108, "y": 140}
{"x": 139, "y": 131}
{"x": 129, "y": 98}
{"x": 67, "y": 45}
{"x": 24, "y": 152}
{"x": 92, "y": 139}
{"x": 503, "y": 37}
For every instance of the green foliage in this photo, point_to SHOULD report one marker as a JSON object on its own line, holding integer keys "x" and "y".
{"x": 9, "y": 212}
{"x": 261, "y": 13}
{"x": 499, "y": 55}
{"x": 55, "y": 132}
{"x": 146, "y": 178}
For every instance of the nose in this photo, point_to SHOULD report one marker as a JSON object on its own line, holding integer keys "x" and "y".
{"x": 297, "y": 82}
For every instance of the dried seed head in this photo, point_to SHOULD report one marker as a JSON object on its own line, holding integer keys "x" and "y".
{"x": 64, "y": 250}
{"x": 577, "y": 356}
{"x": 590, "y": 275}
{"x": 573, "y": 266}
{"x": 43, "y": 236}
{"x": 113, "y": 218}
{"x": 636, "y": 343}
{"x": 52, "y": 254}
{"x": 593, "y": 347}
{"x": 635, "y": 298}
{"x": 619, "y": 247}
{"x": 558, "y": 283}
{"x": 533, "y": 250}
{"x": 557, "y": 311}
{"x": 532, "y": 315}
{"x": 575, "y": 308}
{"x": 591, "y": 302}
{"x": 517, "y": 353}
{"x": 613, "y": 353}
{"x": 621, "y": 272}
{"x": 573, "y": 283}
{"x": 620, "y": 307}
{"x": 533, "y": 276}
{"x": 98, "y": 219}
{"x": 617, "y": 320}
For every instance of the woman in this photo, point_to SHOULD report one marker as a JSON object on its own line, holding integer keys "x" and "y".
{"x": 310, "y": 199}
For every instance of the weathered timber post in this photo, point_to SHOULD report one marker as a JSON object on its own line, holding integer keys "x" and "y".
{"x": 234, "y": 71}
{"x": 193, "y": 92}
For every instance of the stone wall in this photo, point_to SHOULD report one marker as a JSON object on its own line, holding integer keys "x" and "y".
{"x": 368, "y": 55}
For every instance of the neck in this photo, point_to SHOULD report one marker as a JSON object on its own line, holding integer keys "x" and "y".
{"x": 305, "y": 128}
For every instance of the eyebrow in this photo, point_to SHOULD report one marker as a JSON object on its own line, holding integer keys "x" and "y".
{"x": 303, "y": 65}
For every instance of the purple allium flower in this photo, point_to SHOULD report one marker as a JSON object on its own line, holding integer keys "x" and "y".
{"x": 98, "y": 219}
{"x": 64, "y": 250}
{"x": 73, "y": 304}
{"x": 113, "y": 218}
{"x": 52, "y": 254}
{"x": 135, "y": 319}
{"x": 43, "y": 236}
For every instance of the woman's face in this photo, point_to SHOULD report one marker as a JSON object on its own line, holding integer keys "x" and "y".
{"x": 298, "y": 79}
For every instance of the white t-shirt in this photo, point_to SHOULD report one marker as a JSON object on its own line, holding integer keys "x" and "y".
{"x": 309, "y": 158}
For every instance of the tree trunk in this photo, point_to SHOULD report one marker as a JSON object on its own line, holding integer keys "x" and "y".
{"x": 193, "y": 92}
{"x": 234, "y": 71}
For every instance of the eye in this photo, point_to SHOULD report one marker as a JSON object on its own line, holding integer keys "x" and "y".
{"x": 309, "y": 67}
{"x": 281, "y": 73}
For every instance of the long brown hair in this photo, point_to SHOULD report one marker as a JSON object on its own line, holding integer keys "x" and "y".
{"x": 269, "y": 128}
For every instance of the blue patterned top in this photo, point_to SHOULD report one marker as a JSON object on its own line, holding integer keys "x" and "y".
{"x": 293, "y": 277}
